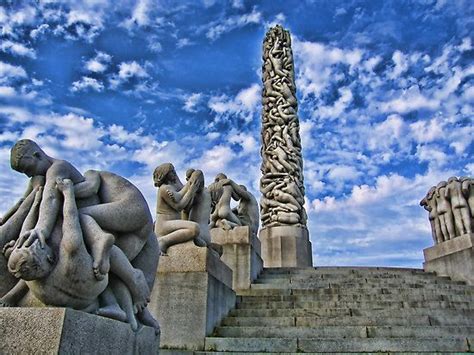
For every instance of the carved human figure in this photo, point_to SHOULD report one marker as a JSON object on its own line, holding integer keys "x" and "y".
{"x": 200, "y": 209}
{"x": 459, "y": 205}
{"x": 468, "y": 191}
{"x": 429, "y": 204}
{"x": 222, "y": 215}
{"x": 444, "y": 212}
{"x": 173, "y": 198}
{"x": 105, "y": 198}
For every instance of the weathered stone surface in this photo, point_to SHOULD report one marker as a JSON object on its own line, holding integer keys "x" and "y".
{"x": 241, "y": 252}
{"x": 453, "y": 258}
{"x": 286, "y": 246}
{"x": 66, "y": 331}
{"x": 192, "y": 294}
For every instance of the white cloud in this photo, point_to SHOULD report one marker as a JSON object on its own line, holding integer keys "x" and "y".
{"x": 9, "y": 72}
{"x": 128, "y": 70}
{"x": 7, "y": 91}
{"x": 183, "y": 42}
{"x": 427, "y": 131}
{"x": 339, "y": 106}
{"x": 343, "y": 173}
{"x": 191, "y": 101}
{"x": 410, "y": 100}
{"x": 99, "y": 63}
{"x": 217, "y": 29}
{"x": 401, "y": 64}
{"x": 140, "y": 15}
{"x": 16, "y": 48}
{"x": 86, "y": 83}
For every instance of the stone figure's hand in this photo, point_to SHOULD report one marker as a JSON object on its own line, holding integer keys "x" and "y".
{"x": 225, "y": 182}
{"x": 29, "y": 237}
{"x": 8, "y": 248}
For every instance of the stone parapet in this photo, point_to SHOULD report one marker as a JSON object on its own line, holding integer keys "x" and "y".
{"x": 453, "y": 258}
{"x": 286, "y": 246}
{"x": 67, "y": 331}
{"x": 241, "y": 252}
{"x": 192, "y": 294}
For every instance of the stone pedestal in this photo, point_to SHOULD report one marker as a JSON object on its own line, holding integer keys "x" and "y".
{"x": 192, "y": 293}
{"x": 241, "y": 252}
{"x": 453, "y": 258}
{"x": 286, "y": 246}
{"x": 66, "y": 331}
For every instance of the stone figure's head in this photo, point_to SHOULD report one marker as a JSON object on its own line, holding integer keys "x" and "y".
{"x": 189, "y": 172}
{"x": 431, "y": 192}
{"x": 220, "y": 176}
{"x": 452, "y": 178}
{"x": 31, "y": 263}
{"x": 165, "y": 173}
{"x": 28, "y": 158}
{"x": 464, "y": 178}
{"x": 197, "y": 178}
{"x": 441, "y": 185}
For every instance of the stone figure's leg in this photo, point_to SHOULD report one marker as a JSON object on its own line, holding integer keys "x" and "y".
{"x": 438, "y": 232}
{"x": 99, "y": 243}
{"x": 442, "y": 222}
{"x": 466, "y": 219}
{"x": 109, "y": 307}
{"x": 448, "y": 218}
{"x": 458, "y": 221}
{"x": 122, "y": 293}
{"x": 433, "y": 231}
{"x": 14, "y": 296}
{"x": 175, "y": 232}
{"x": 11, "y": 228}
{"x": 133, "y": 278}
{"x": 146, "y": 318}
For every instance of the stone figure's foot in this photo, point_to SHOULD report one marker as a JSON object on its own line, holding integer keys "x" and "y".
{"x": 147, "y": 319}
{"x": 163, "y": 247}
{"x": 140, "y": 291}
{"x": 64, "y": 185}
{"x": 200, "y": 242}
{"x": 113, "y": 312}
{"x": 101, "y": 255}
{"x": 5, "y": 303}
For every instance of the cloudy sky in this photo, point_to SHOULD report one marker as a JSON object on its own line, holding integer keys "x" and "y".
{"x": 385, "y": 102}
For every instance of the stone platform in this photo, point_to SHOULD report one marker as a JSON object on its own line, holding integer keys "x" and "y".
{"x": 453, "y": 258}
{"x": 66, "y": 331}
{"x": 192, "y": 294}
{"x": 286, "y": 246}
{"x": 241, "y": 252}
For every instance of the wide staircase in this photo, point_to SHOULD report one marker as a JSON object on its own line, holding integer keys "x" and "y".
{"x": 338, "y": 309}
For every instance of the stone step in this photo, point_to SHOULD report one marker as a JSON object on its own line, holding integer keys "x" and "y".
{"x": 380, "y": 320}
{"x": 369, "y": 280}
{"x": 343, "y": 270}
{"x": 345, "y": 331}
{"x": 369, "y": 285}
{"x": 315, "y": 305}
{"x": 427, "y": 296}
{"x": 457, "y": 344}
{"x": 332, "y": 312}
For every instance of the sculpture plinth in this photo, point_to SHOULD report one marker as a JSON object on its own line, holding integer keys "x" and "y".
{"x": 286, "y": 246}
{"x": 241, "y": 252}
{"x": 453, "y": 258}
{"x": 66, "y": 331}
{"x": 192, "y": 293}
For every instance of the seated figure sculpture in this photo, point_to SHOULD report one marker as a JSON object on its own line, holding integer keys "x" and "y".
{"x": 112, "y": 210}
{"x": 173, "y": 199}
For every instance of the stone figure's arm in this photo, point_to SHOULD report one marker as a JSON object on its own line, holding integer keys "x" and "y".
{"x": 465, "y": 187}
{"x": 15, "y": 295}
{"x": 242, "y": 193}
{"x": 268, "y": 188}
{"x": 49, "y": 207}
{"x": 29, "y": 188}
{"x": 447, "y": 191}
{"x": 176, "y": 201}
{"x": 90, "y": 186}
{"x": 73, "y": 239}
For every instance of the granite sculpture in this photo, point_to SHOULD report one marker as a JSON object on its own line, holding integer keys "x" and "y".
{"x": 450, "y": 206}
{"x": 223, "y": 190}
{"x": 282, "y": 203}
{"x": 182, "y": 211}
{"x": 79, "y": 241}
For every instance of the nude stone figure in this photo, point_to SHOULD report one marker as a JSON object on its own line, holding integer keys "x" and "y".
{"x": 113, "y": 215}
{"x": 468, "y": 191}
{"x": 459, "y": 206}
{"x": 222, "y": 215}
{"x": 429, "y": 204}
{"x": 444, "y": 212}
{"x": 173, "y": 198}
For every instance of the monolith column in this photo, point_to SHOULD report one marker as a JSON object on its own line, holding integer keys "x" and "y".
{"x": 284, "y": 236}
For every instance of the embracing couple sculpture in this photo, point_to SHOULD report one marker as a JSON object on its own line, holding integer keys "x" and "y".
{"x": 79, "y": 241}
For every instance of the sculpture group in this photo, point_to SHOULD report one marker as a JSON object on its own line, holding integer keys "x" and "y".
{"x": 88, "y": 241}
{"x": 451, "y": 208}
{"x": 282, "y": 188}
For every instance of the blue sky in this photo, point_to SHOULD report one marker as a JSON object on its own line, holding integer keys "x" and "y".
{"x": 385, "y": 102}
